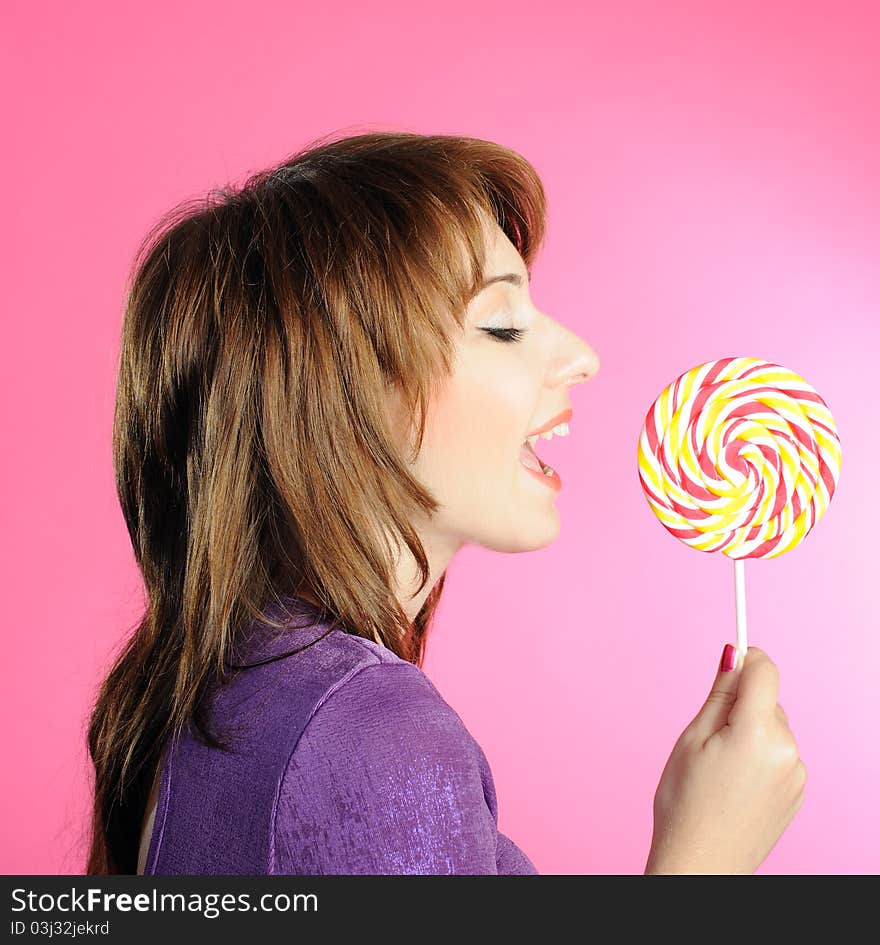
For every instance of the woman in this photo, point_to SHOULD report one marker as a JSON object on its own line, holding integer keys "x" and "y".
{"x": 328, "y": 383}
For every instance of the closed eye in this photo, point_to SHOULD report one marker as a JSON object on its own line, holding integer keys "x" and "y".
{"x": 505, "y": 334}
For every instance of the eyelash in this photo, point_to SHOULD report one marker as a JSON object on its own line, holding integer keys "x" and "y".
{"x": 506, "y": 334}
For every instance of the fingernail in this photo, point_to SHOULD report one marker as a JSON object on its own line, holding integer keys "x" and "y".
{"x": 728, "y": 658}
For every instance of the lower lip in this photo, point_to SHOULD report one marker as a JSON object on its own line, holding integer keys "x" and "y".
{"x": 553, "y": 482}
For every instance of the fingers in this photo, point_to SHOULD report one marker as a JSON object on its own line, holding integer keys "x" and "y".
{"x": 799, "y": 781}
{"x": 758, "y": 689}
{"x": 795, "y": 806}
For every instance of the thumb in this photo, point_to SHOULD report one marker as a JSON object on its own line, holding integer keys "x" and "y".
{"x": 720, "y": 700}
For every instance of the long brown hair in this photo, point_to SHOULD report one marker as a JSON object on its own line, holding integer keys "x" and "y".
{"x": 264, "y": 327}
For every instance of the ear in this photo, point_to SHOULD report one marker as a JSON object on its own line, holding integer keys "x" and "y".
{"x": 399, "y": 415}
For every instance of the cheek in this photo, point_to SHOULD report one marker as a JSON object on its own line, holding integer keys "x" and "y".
{"x": 479, "y": 421}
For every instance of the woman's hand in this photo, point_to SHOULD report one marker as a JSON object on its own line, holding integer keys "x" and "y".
{"x": 734, "y": 779}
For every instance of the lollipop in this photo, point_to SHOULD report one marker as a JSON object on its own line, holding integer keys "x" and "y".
{"x": 739, "y": 456}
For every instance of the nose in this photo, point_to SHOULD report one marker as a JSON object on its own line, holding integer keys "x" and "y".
{"x": 578, "y": 362}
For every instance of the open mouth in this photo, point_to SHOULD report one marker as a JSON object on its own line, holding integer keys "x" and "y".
{"x": 528, "y": 457}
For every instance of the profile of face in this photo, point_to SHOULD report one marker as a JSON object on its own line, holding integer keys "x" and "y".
{"x": 513, "y": 369}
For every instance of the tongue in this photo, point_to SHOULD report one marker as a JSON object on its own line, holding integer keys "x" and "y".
{"x": 528, "y": 457}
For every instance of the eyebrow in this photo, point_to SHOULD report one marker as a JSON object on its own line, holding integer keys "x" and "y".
{"x": 513, "y": 277}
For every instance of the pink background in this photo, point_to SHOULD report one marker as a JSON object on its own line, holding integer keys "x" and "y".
{"x": 712, "y": 172}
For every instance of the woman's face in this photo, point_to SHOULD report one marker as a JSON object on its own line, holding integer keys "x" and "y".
{"x": 499, "y": 392}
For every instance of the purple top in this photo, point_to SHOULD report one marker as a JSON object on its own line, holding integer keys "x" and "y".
{"x": 346, "y": 760}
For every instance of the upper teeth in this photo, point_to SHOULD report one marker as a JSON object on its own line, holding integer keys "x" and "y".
{"x": 560, "y": 429}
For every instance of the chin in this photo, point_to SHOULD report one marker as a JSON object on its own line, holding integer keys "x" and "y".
{"x": 528, "y": 533}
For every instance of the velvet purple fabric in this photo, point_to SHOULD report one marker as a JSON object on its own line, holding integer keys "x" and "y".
{"x": 346, "y": 760}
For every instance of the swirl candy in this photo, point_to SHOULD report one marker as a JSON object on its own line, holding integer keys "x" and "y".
{"x": 740, "y": 456}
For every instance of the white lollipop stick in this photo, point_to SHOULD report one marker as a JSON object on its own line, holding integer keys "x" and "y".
{"x": 739, "y": 589}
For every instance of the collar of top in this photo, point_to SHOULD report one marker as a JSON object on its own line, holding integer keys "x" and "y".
{"x": 303, "y": 624}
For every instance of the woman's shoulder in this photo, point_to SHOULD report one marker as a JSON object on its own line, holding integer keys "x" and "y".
{"x": 386, "y": 702}
{"x": 276, "y": 675}
{"x": 339, "y": 688}
{"x": 281, "y": 689}
{"x": 386, "y": 774}
{"x": 356, "y": 690}
{"x": 386, "y": 721}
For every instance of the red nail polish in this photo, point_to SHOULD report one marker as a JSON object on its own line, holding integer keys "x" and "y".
{"x": 728, "y": 658}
